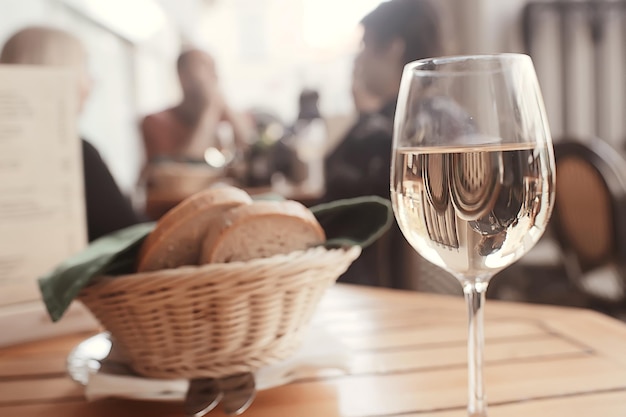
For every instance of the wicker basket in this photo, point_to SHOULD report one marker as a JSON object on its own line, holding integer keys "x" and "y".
{"x": 215, "y": 320}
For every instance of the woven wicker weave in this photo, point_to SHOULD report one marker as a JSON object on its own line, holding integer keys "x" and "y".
{"x": 215, "y": 320}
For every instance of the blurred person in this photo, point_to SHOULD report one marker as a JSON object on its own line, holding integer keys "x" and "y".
{"x": 107, "y": 208}
{"x": 365, "y": 102}
{"x": 394, "y": 34}
{"x": 184, "y": 132}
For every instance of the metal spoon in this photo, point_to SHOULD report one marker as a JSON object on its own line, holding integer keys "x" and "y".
{"x": 203, "y": 395}
{"x": 239, "y": 392}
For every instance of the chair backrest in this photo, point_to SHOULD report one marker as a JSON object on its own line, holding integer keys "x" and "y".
{"x": 590, "y": 209}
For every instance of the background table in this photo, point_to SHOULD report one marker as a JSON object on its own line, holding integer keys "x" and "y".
{"x": 408, "y": 360}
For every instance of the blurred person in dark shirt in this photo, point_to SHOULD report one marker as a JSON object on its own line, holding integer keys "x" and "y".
{"x": 107, "y": 208}
{"x": 395, "y": 33}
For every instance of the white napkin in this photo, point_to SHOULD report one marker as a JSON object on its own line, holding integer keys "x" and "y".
{"x": 320, "y": 353}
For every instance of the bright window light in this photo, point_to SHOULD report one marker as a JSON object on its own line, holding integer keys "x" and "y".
{"x": 327, "y": 22}
{"x": 136, "y": 20}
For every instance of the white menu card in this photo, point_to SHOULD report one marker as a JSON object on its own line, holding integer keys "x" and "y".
{"x": 42, "y": 209}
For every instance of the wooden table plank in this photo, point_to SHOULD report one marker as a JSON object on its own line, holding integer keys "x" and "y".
{"x": 456, "y": 356}
{"x": 38, "y": 390}
{"x": 434, "y": 334}
{"x": 54, "y": 345}
{"x": 393, "y": 393}
{"x": 43, "y": 357}
{"x": 44, "y": 364}
{"x": 102, "y": 408}
{"x": 362, "y": 318}
{"x": 441, "y": 389}
{"x": 608, "y": 404}
{"x": 605, "y": 335}
{"x": 408, "y": 359}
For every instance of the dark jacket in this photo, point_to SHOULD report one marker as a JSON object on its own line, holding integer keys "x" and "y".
{"x": 107, "y": 208}
{"x": 359, "y": 166}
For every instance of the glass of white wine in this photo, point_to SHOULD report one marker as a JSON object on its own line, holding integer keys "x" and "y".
{"x": 472, "y": 177}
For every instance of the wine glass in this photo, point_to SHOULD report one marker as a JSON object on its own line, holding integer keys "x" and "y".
{"x": 472, "y": 177}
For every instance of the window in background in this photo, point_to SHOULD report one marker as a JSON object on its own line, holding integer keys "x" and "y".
{"x": 115, "y": 33}
{"x": 329, "y": 23}
{"x": 269, "y": 50}
{"x": 136, "y": 20}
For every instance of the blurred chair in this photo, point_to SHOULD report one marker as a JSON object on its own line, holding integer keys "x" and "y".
{"x": 589, "y": 218}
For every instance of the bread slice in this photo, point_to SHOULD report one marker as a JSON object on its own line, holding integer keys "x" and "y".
{"x": 177, "y": 238}
{"x": 260, "y": 230}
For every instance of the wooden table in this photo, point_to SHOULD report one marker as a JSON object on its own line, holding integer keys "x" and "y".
{"x": 408, "y": 360}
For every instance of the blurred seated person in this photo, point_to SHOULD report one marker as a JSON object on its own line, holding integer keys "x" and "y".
{"x": 366, "y": 103}
{"x": 395, "y": 33}
{"x": 184, "y": 132}
{"x": 107, "y": 208}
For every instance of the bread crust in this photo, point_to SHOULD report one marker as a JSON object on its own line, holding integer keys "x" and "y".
{"x": 177, "y": 238}
{"x": 240, "y": 217}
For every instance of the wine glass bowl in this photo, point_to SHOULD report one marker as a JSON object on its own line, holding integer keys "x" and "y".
{"x": 472, "y": 211}
{"x": 472, "y": 177}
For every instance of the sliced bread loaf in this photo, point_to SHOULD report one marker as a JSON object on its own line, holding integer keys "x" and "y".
{"x": 177, "y": 238}
{"x": 260, "y": 230}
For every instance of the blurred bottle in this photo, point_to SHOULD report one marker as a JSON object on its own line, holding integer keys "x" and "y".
{"x": 310, "y": 144}
{"x": 306, "y": 144}
{"x": 260, "y": 157}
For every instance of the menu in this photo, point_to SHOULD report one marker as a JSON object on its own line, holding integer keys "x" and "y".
{"x": 42, "y": 210}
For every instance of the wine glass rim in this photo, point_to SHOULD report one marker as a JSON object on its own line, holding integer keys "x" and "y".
{"x": 425, "y": 66}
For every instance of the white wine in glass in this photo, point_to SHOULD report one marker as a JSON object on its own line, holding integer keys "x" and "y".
{"x": 472, "y": 177}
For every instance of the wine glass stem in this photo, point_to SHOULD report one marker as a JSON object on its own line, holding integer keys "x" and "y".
{"x": 475, "y": 290}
